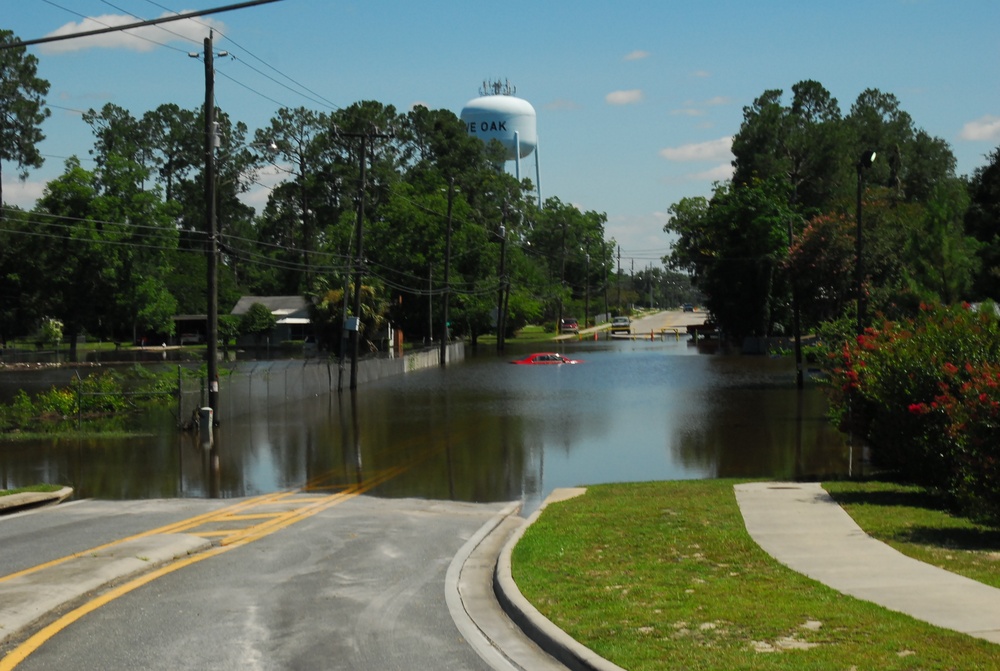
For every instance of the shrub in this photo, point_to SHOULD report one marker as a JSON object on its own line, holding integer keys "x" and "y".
{"x": 923, "y": 394}
{"x": 102, "y": 396}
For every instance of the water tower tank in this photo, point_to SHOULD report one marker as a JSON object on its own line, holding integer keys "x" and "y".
{"x": 505, "y": 118}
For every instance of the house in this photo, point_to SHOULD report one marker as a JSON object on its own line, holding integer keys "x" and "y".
{"x": 292, "y": 313}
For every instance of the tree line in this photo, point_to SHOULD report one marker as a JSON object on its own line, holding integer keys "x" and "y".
{"x": 116, "y": 250}
{"x": 785, "y": 227}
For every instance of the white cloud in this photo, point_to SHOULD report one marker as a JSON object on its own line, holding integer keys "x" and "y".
{"x": 701, "y": 74}
{"x": 688, "y": 111}
{"x": 640, "y": 234}
{"x": 719, "y": 173}
{"x": 137, "y": 39}
{"x": 717, "y": 101}
{"x": 713, "y": 150}
{"x": 22, "y": 194}
{"x": 983, "y": 128}
{"x": 267, "y": 178}
{"x": 630, "y": 97}
{"x": 637, "y": 55}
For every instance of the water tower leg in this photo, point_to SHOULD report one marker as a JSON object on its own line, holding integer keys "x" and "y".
{"x": 517, "y": 156}
{"x": 538, "y": 177}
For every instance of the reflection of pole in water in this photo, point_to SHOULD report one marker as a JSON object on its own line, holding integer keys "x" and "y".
{"x": 357, "y": 436}
{"x": 800, "y": 410}
{"x": 352, "y": 436}
{"x": 212, "y": 470}
{"x": 447, "y": 446}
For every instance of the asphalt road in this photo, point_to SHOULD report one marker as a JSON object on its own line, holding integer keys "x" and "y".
{"x": 355, "y": 585}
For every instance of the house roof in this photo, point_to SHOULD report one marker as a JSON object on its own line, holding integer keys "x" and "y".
{"x": 288, "y": 309}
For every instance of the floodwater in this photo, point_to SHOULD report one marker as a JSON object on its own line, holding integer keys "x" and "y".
{"x": 481, "y": 430}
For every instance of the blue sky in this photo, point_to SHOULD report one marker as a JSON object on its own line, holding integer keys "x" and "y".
{"x": 636, "y": 100}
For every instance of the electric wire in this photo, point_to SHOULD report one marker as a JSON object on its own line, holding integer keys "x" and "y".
{"x": 131, "y": 34}
{"x": 158, "y": 26}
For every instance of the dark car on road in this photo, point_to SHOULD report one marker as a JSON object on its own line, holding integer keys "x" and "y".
{"x": 569, "y": 325}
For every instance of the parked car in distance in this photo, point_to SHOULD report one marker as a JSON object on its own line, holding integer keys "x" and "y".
{"x": 545, "y": 358}
{"x": 569, "y": 325}
{"x": 621, "y": 325}
{"x": 688, "y": 307}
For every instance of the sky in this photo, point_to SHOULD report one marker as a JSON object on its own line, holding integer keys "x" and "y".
{"x": 636, "y": 100}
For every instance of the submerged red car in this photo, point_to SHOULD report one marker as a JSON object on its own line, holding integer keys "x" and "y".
{"x": 545, "y": 358}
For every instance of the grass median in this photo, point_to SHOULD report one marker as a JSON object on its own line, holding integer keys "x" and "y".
{"x": 664, "y": 575}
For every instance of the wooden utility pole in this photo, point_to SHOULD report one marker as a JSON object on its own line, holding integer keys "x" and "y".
{"x": 211, "y": 229}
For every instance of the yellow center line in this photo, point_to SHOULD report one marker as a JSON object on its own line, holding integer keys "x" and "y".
{"x": 237, "y": 538}
{"x": 170, "y": 528}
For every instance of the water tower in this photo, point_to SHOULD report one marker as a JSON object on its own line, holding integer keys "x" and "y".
{"x": 498, "y": 115}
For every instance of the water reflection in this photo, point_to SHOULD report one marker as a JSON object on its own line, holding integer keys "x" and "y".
{"x": 483, "y": 430}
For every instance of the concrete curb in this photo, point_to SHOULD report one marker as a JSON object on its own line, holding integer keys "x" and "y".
{"x": 539, "y": 628}
{"x": 16, "y": 502}
{"x": 465, "y": 608}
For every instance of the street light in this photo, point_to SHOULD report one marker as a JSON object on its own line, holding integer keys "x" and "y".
{"x": 864, "y": 162}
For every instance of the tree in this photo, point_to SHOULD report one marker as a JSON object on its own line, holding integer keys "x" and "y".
{"x": 22, "y": 107}
{"x": 801, "y": 144}
{"x": 51, "y": 331}
{"x": 982, "y": 221}
{"x": 296, "y": 133}
{"x": 258, "y": 322}
{"x": 22, "y": 294}
{"x": 821, "y": 267}
{"x": 79, "y": 269}
{"x": 942, "y": 259}
{"x": 910, "y": 162}
{"x": 736, "y": 244}
{"x": 175, "y": 142}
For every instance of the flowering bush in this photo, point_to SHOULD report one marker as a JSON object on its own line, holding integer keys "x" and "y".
{"x": 924, "y": 394}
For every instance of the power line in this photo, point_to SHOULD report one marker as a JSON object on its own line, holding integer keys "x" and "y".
{"x": 140, "y": 24}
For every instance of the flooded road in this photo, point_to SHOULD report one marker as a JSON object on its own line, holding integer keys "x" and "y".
{"x": 482, "y": 431}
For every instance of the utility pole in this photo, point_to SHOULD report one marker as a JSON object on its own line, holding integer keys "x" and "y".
{"x": 447, "y": 276}
{"x": 501, "y": 312}
{"x": 212, "y": 231}
{"x": 619, "y": 282}
{"x": 354, "y": 324}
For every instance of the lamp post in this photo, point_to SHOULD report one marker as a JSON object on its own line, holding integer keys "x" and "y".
{"x": 864, "y": 162}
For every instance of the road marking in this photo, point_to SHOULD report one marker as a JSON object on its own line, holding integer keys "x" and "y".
{"x": 306, "y": 507}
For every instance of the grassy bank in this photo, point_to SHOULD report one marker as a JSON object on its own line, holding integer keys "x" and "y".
{"x": 32, "y": 488}
{"x": 664, "y": 575}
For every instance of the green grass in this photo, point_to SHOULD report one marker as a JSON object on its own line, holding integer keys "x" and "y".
{"x": 532, "y": 333}
{"x": 918, "y": 524}
{"x": 26, "y": 436}
{"x": 664, "y": 575}
{"x": 32, "y": 488}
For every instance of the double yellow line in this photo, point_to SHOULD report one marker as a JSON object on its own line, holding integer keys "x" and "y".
{"x": 228, "y": 539}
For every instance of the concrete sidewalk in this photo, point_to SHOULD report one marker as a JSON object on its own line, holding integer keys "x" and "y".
{"x": 801, "y": 526}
